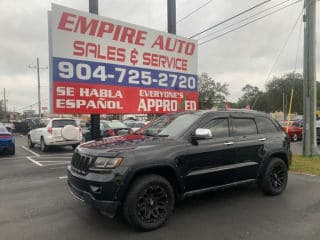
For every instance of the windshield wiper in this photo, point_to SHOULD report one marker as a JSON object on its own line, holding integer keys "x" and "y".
{"x": 162, "y": 135}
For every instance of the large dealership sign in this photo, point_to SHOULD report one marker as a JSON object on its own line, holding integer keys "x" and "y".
{"x": 100, "y": 65}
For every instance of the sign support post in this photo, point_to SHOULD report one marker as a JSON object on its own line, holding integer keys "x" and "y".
{"x": 94, "y": 118}
{"x": 171, "y": 9}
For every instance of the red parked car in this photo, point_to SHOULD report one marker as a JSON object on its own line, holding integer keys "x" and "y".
{"x": 293, "y": 129}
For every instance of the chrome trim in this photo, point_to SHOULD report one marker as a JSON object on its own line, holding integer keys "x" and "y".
{"x": 228, "y": 143}
{"x": 221, "y": 168}
{"x": 209, "y": 189}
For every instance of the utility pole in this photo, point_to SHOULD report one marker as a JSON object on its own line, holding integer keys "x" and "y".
{"x": 38, "y": 77}
{"x": 309, "y": 81}
{"x": 171, "y": 9}
{"x": 4, "y": 101}
{"x": 94, "y": 118}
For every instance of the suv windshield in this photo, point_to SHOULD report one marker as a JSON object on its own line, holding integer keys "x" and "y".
{"x": 170, "y": 125}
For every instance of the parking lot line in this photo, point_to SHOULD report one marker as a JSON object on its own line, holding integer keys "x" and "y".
{"x": 55, "y": 157}
{"x": 57, "y": 163}
{"x": 9, "y": 158}
{"x": 30, "y": 151}
{"x": 63, "y": 177}
{"x": 57, "y": 154}
{"x": 53, "y": 161}
{"x": 34, "y": 161}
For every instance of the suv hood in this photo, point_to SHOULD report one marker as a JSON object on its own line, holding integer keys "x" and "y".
{"x": 112, "y": 146}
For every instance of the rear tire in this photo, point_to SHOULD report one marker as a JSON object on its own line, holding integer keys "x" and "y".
{"x": 30, "y": 143}
{"x": 275, "y": 177}
{"x": 43, "y": 146}
{"x": 149, "y": 202}
{"x": 12, "y": 151}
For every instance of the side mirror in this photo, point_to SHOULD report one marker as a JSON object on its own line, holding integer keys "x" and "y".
{"x": 202, "y": 133}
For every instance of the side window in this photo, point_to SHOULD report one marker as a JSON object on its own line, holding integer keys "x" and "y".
{"x": 244, "y": 126}
{"x": 219, "y": 127}
{"x": 265, "y": 125}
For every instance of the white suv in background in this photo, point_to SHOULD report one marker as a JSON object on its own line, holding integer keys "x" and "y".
{"x": 55, "y": 132}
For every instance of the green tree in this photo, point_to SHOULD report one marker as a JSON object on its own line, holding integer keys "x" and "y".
{"x": 281, "y": 86}
{"x": 211, "y": 93}
{"x": 251, "y": 95}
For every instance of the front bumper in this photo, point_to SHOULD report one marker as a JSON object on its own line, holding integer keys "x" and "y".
{"x": 109, "y": 207}
{"x": 98, "y": 190}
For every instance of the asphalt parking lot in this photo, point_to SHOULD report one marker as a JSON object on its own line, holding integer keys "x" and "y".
{"x": 35, "y": 204}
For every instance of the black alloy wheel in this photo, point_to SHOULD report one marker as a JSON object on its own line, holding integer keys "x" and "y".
{"x": 275, "y": 177}
{"x": 152, "y": 204}
{"x": 149, "y": 202}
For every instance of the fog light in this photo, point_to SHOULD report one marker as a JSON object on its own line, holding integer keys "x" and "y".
{"x": 96, "y": 189}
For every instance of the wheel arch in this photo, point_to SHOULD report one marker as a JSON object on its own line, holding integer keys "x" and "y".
{"x": 282, "y": 155}
{"x": 165, "y": 171}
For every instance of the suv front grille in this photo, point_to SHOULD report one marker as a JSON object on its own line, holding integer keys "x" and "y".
{"x": 80, "y": 163}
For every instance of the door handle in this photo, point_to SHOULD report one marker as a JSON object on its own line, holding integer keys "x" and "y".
{"x": 262, "y": 139}
{"x": 228, "y": 143}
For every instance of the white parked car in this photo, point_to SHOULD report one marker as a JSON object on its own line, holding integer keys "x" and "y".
{"x": 55, "y": 132}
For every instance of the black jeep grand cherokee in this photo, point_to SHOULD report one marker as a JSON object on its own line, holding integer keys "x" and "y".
{"x": 176, "y": 156}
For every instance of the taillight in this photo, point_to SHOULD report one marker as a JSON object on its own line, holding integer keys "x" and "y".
{"x": 111, "y": 132}
{"x": 49, "y": 129}
{"x": 5, "y": 136}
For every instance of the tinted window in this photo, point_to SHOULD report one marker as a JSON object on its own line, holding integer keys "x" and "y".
{"x": 219, "y": 128}
{"x": 170, "y": 125}
{"x": 265, "y": 125}
{"x": 62, "y": 123}
{"x": 244, "y": 126}
{"x": 43, "y": 123}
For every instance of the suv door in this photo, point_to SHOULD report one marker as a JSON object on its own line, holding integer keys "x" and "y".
{"x": 210, "y": 162}
{"x": 37, "y": 132}
{"x": 249, "y": 148}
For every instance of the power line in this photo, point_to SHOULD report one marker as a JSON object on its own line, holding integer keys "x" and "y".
{"x": 242, "y": 20}
{"x": 194, "y": 11}
{"x": 230, "y": 18}
{"x": 284, "y": 45}
{"x": 246, "y": 24}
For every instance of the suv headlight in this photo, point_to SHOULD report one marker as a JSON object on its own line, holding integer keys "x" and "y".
{"x": 106, "y": 162}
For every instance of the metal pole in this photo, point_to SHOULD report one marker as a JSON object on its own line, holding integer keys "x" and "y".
{"x": 171, "y": 6}
{"x": 4, "y": 101}
{"x": 94, "y": 118}
{"x": 283, "y": 107}
{"x": 39, "y": 97}
{"x": 309, "y": 85}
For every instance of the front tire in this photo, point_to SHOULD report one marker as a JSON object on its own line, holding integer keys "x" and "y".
{"x": 43, "y": 146}
{"x": 275, "y": 177}
{"x": 149, "y": 202}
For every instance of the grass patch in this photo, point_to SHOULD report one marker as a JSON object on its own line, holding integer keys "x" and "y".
{"x": 309, "y": 165}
